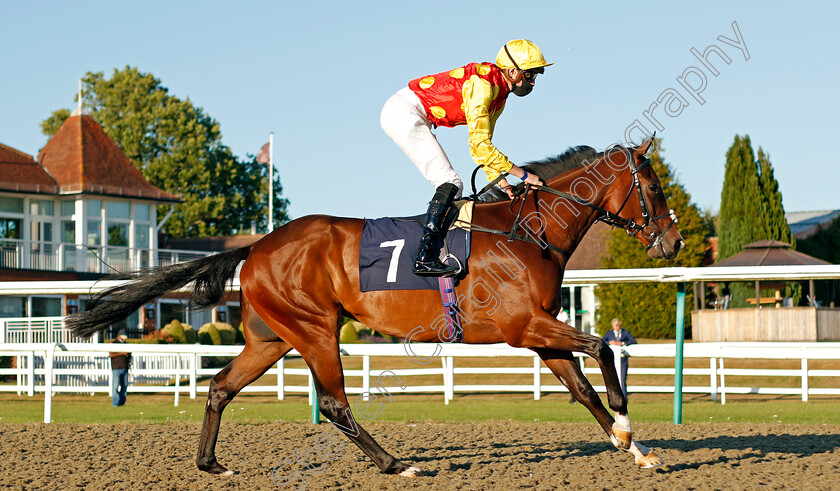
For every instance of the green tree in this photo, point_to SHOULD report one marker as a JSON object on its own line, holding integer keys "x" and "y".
{"x": 740, "y": 203}
{"x": 648, "y": 310}
{"x": 751, "y": 209}
{"x": 179, "y": 149}
{"x": 773, "y": 212}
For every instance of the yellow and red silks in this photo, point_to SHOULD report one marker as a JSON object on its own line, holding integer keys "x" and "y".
{"x": 474, "y": 95}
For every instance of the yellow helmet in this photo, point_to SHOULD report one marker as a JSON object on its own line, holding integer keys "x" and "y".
{"x": 520, "y": 54}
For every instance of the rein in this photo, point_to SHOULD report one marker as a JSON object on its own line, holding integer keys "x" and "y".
{"x": 612, "y": 219}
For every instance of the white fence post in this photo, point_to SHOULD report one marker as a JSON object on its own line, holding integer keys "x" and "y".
{"x": 30, "y": 382}
{"x": 537, "y": 378}
{"x": 365, "y": 377}
{"x": 804, "y": 379}
{"x": 713, "y": 377}
{"x": 48, "y": 382}
{"x": 617, "y": 361}
{"x": 281, "y": 378}
{"x": 177, "y": 377}
{"x": 194, "y": 360}
{"x": 722, "y": 383}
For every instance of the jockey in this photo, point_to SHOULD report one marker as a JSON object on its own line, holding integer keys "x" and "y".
{"x": 474, "y": 95}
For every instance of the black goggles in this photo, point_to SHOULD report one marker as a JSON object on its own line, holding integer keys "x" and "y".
{"x": 531, "y": 75}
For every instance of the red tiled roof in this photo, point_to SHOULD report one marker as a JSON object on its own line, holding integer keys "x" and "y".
{"x": 83, "y": 159}
{"x": 19, "y": 172}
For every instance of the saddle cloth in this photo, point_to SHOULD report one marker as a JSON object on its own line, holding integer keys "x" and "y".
{"x": 388, "y": 248}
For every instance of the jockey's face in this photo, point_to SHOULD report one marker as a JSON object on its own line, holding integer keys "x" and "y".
{"x": 523, "y": 81}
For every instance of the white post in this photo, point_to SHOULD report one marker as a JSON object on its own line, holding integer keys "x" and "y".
{"x": 48, "y": 382}
{"x": 270, "y": 182}
{"x": 365, "y": 377}
{"x": 450, "y": 362}
{"x": 30, "y": 382}
{"x": 804, "y": 379}
{"x": 722, "y": 384}
{"x": 194, "y": 376}
{"x": 281, "y": 379}
{"x": 311, "y": 389}
{"x": 713, "y": 377}
{"x": 617, "y": 362}
{"x": 537, "y": 381}
{"x": 572, "y": 307}
{"x": 177, "y": 377}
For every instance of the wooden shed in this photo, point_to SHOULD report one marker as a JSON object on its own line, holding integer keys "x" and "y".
{"x": 769, "y": 320}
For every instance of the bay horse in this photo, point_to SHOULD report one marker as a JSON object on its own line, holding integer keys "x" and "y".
{"x": 298, "y": 282}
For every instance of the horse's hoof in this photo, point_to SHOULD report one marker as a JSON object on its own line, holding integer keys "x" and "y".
{"x": 411, "y": 472}
{"x": 216, "y": 468}
{"x": 649, "y": 461}
{"x": 622, "y": 438}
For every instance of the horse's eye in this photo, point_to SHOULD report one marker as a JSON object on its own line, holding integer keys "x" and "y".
{"x": 654, "y": 187}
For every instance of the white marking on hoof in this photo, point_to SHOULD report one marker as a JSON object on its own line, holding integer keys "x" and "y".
{"x": 228, "y": 473}
{"x": 411, "y": 472}
{"x": 621, "y": 437}
{"x": 645, "y": 457}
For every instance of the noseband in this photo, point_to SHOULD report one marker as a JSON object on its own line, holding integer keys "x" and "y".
{"x": 629, "y": 225}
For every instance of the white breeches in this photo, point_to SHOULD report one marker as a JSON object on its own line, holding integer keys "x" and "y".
{"x": 404, "y": 121}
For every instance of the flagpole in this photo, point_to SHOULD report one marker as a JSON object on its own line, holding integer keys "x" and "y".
{"x": 270, "y": 182}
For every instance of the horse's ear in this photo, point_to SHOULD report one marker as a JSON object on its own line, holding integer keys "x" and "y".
{"x": 644, "y": 147}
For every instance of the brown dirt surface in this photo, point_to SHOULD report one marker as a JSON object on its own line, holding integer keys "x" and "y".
{"x": 476, "y": 456}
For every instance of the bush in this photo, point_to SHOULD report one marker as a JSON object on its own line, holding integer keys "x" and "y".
{"x": 240, "y": 334}
{"x": 227, "y": 334}
{"x": 190, "y": 335}
{"x": 208, "y": 334}
{"x": 348, "y": 334}
{"x": 175, "y": 330}
{"x": 154, "y": 337}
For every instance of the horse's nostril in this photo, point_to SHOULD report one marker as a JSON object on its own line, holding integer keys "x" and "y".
{"x": 680, "y": 245}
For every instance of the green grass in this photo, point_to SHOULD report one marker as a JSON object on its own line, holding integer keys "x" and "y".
{"x": 644, "y": 408}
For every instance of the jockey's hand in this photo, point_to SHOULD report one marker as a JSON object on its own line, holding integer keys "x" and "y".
{"x": 506, "y": 187}
{"x": 534, "y": 179}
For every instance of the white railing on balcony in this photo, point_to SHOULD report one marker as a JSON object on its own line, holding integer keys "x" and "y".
{"x": 39, "y": 330}
{"x": 48, "y": 256}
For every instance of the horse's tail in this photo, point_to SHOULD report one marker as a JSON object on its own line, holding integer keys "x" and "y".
{"x": 210, "y": 275}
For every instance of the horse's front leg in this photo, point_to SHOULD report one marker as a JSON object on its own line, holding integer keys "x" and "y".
{"x": 550, "y": 338}
{"x": 563, "y": 365}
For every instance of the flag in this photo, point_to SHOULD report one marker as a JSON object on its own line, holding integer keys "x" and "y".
{"x": 262, "y": 156}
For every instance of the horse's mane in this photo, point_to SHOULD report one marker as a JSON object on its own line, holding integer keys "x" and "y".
{"x": 549, "y": 167}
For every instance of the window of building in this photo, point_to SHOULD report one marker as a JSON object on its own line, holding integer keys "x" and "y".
{"x": 68, "y": 208}
{"x": 46, "y": 307}
{"x": 9, "y": 204}
{"x": 12, "y": 306}
{"x": 118, "y": 210}
{"x": 11, "y": 228}
{"x": 41, "y": 207}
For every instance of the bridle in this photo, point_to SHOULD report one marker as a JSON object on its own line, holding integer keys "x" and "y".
{"x": 612, "y": 219}
{"x": 629, "y": 225}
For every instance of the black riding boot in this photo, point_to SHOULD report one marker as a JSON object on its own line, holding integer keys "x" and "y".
{"x": 428, "y": 261}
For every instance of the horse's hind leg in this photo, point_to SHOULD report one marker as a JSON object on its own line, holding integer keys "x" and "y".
{"x": 325, "y": 363}
{"x": 262, "y": 349}
{"x": 564, "y": 366}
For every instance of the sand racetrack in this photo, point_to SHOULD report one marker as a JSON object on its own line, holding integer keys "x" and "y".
{"x": 494, "y": 455}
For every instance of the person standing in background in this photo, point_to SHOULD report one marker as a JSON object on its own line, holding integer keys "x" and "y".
{"x": 119, "y": 372}
{"x": 620, "y": 337}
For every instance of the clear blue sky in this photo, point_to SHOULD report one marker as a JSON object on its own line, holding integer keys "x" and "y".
{"x": 317, "y": 74}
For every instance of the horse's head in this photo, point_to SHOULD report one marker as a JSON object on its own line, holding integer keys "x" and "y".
{"x": 643, "y": 207}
